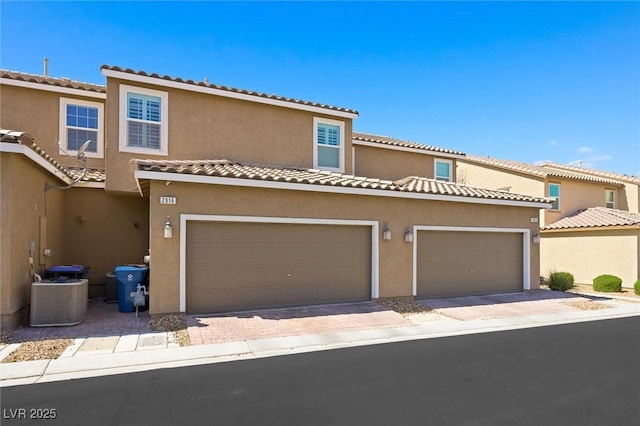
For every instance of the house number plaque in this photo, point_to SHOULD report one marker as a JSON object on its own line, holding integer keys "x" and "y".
{"x": 167, "y": 200}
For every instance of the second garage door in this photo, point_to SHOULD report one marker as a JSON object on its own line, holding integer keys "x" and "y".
{"x": 460, "y": 263}
{"x": 234, "y": 266}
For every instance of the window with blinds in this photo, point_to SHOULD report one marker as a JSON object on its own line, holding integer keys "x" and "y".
{"x": 329, "y": 144}
{"x": 143, "y": 120}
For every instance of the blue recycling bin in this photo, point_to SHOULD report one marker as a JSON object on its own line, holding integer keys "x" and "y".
{"x": 67, "y": 272}
{"x": 128, "y": 278}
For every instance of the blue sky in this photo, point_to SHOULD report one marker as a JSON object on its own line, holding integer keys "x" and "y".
{"x": 555, "y": 81}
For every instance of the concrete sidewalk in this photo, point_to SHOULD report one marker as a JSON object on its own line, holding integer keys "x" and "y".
{"x": 104, "y": 355}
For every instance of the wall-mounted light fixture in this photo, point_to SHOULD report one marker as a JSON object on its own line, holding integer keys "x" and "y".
{"x": 386, "y": 232}
{"x": 536, "y": 238}
{"x": 168, "y": 229}
{"x": 408, "y": 235}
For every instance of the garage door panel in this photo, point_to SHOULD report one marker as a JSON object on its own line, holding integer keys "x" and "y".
{"x": 455, "y": 263}
{"x": 234, "y": 266}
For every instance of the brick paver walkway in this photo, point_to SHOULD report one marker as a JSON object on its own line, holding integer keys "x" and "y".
{"x": 268, "y": 323}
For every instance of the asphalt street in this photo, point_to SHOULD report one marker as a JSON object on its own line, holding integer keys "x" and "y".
{"x": 575, "y": 374}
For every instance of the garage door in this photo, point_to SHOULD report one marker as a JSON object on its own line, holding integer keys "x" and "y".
{"x": 236, "y": 266}
{"x": 460, "y": 263}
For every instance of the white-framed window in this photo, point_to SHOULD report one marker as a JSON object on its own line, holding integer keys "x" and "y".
{"x": 328, "y": 144}
{"x": 610, "y": 198}
{"x": 81, "y": 121}
{"x": 554, "y": 192}
{"x": 143, "y": 120}
{"x": 442, "y": 169}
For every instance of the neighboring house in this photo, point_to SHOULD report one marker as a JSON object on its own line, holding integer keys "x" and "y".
{"x": 582, "y": 233}
{"x": 390, "y": 158}
{"x": 593, "y": 242}
{"x": 269, "y": 201}
{"x": 572, "y": 190}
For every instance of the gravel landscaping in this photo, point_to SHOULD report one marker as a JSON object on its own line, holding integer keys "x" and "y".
{"x": 405, "y": 306}
{"x": 174, "y": 323}
{"x": 39, "y": 349}
{"x": 587, "y": 305}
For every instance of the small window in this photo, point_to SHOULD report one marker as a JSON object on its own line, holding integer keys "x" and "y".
{"x": 143, "y": 123}
{"x": 81, "y": 121}
{"x": 443, "y": 170}
{"x": 328, "y": 144}
{"x": 609, "y": 198}
{"x": 554, "y": 192}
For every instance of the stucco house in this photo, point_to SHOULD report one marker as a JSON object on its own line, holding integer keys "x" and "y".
{"x": 271, "y": 201}
{"x": 591, "y": 228}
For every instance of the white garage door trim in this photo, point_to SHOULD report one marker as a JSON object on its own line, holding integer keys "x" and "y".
{"x": 184, "y": 218}
{"x": 526, "y": 258}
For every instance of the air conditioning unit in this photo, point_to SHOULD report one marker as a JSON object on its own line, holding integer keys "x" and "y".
{"x": 58, "y": 302}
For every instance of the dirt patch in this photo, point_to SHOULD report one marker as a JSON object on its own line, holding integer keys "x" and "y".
{"x": 587, "y": 305}
{"x": 174, "y": 323}
{"x": 39, "y": 349}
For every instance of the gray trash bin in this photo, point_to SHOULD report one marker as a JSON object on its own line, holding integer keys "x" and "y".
{"x": 111, "y": 288}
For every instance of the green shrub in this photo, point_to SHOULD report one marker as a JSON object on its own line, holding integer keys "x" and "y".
{"x": 607, "y": 283}
{"x": 560, "y": 281}
{"x": 636, "y": 288}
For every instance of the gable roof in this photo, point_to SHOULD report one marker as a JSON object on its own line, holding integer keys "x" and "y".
{"x": 538, "y": 171}
{"x": 22, "y": 142}
{"x": 601, "y": 173}
{"x": 389, "y": 142}
{"x": 49, "y": 82}
{"x": 203, "y": 86}
{"x": 227, "y": 172}
{"x": 596, "y": 217}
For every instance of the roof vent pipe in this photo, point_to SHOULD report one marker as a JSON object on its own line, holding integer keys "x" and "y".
{"x": 46, "y": 66}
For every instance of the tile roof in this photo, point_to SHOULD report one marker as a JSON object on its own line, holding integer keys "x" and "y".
{"x": 387, "y": 140}
{"x": 608, "y": 175}
{"x": 73, "y": 173}
{"x": 52, "y": 81}
{"x": 412, "y": 184}
{"x": 596, "y": 217}
{"x": 539, "y": 171}
{"x": 227, "y": 89}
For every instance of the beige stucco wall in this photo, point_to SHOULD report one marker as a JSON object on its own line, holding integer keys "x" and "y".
{"x": 204, "y": 126}
{"x": 481, "y": 176}
{"x": 25, "y": 208}
{"x": 575, "y": 195}
{"x": 587, "y": 254}
{"x": 394, "y": 164}
{"x": 628, "y": 198}
{"x": 103, "y": 230}
{"x": 38, "y": 112}
{"x": 395, "y": 256}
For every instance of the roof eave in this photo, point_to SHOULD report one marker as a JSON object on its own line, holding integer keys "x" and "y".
{"x": 157, "y": 81}
{"x": 267, "y": 184}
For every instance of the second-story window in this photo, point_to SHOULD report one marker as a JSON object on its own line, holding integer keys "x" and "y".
{"x": 81, "y": 121}
{"x": 554, "y": 192}
{"x": 442, "y": 170}
{"x": 143, "y": 124}
{"x": 609, "y": 198}
{"x": 328, "y": 138}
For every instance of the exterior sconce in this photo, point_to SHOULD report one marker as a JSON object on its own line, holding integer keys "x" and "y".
{"x": 386, "y": 232}
{"x": 408, "y": 236}
{"x": 168, "y": 229}
{"x": 536, "y": 238}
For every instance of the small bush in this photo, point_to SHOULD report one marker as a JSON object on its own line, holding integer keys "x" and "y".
{"x": 560, "y": 281}
{"x": 636, "y": 288}
{"x": 607, "y": 283}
